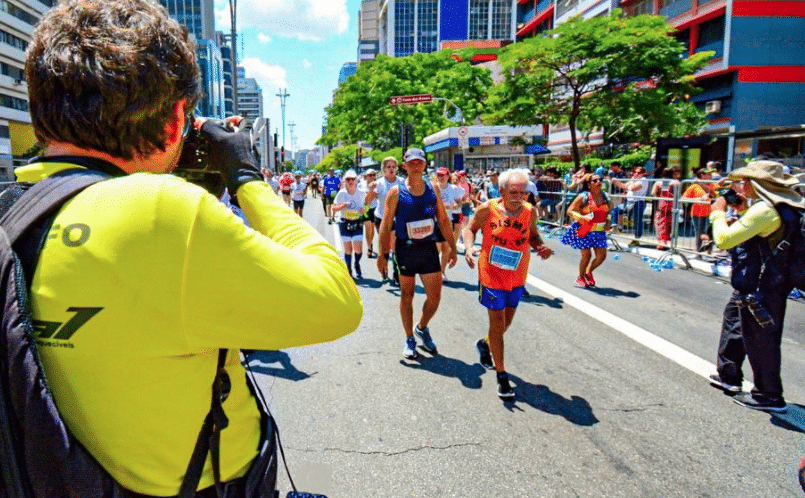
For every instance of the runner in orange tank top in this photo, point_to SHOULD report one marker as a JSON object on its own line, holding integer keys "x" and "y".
{"x": 509, "y": 227}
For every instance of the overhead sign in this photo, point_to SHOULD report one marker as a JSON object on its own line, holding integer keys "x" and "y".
{"x": 411, "y": 99}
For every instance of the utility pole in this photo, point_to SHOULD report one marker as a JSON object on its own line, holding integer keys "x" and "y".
{"x": 233, "y": 40}
{"x": 291, "y": 125}
{"x": 283, "y": 95}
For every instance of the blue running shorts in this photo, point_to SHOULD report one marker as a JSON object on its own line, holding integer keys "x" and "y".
{"x": 498, "y": 299}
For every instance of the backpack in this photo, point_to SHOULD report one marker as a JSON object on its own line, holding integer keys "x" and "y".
{"x": 39, "y": 457}
{"x": 791, "y": 250}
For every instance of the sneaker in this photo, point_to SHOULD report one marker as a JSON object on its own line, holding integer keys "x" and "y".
{"x": 728, "y": 387}
{"x": 484, "y": 354}
{"x": 410, "y": 348}
{"x": 749, "y": 401}
{"x": 395, "y": 277}
{"x": 427, "y": 343}
{"x": 589, "y": 279}
{"x": 581, "y": 282}
{"x": 384, "y": 276}
{"x": 505, "y": 391}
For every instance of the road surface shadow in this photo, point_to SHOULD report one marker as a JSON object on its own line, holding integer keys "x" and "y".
{"x": 368, "y": 282}
{"x": 538, "y": 300}
{"x": 576, "y": 409}
{"x": 458, "y": 284}
{"x": 259, "y": 361}
{"x": 469, "y": 375}
{"x": 792, "y": 420}
{"x": 610, "y": 292}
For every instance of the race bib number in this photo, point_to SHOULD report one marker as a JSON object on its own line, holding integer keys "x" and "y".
{"x": 352, "y": 214}
{"x": 505, "y": 259}
{"x": 418, "y": 230}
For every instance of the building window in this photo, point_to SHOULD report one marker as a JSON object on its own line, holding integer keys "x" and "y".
{"x": 501, "y": 20}
{"x": 427, "y": 30}
{"x": 563, "y": 6}
{"x": 642, "y": 7}
{"x": 4, "y": 133}
{"x": 13, "y": 103}
{"x": 711, "y": 36}
{"x": 13, "y": 72}
{"x": 14, "y": 41}
{"x": 22, "y": 15}
{"x": 479, "y": 20}
{"x": 404, "y": 28}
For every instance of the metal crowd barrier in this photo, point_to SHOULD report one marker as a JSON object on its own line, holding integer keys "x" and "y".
{"x": 635, "y": 219}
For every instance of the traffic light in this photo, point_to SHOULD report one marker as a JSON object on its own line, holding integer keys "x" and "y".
{"x": 282, "y": 154}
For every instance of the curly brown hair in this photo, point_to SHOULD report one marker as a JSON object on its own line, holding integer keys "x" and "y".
{"x": 106, "y": 75}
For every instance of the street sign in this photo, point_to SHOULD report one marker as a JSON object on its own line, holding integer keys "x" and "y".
{"x": 411, "y": 99}
{"x": 463, "y": 131}
{"x": 464, "y": 142}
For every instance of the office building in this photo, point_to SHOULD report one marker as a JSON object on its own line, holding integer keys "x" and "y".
{"x": 250, "y": 106}
{"x": 406, "y": 27}
{"x": 368, "y": 30}
{"x": 211, "y": 64}
{"x": 754, "y": 83}
{"x": 197, "y": 15}
{"x": 17, "y": 140}
{"x": 347, "y": 70}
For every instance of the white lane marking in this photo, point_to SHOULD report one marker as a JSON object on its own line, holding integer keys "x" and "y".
{"x": 794, "y": 416}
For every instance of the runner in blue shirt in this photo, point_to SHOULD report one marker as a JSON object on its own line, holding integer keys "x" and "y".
{"x": 331, "y": 184}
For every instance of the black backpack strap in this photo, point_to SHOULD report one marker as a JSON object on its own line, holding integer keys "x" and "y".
{"x": 209, "y": 437}
{"x": 45, "y": 198}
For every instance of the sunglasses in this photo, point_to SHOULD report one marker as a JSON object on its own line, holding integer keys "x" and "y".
{"x": 597, "y": 180}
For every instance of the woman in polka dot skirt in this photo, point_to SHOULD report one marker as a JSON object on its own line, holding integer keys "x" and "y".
{"x": 588, "y": 232}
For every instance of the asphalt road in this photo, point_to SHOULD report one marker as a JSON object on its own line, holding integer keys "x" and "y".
{"x": 604, "y": 407}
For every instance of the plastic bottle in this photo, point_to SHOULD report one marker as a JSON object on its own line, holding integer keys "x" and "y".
{"x": 616, "y": 257}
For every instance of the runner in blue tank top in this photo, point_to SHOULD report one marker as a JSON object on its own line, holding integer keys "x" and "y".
{"x": 420, "y": 220}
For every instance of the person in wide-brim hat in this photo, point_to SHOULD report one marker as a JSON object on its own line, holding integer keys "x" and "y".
{"x": 771, "y": 183}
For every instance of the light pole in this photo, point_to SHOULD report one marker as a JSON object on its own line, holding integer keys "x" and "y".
{"x": 291, "y": 125}
{"x": 283, "y": 95}
{"x": 233, "y": 9}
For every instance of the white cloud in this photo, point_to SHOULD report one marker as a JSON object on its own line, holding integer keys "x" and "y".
{"x": 263, "y": 38}
{"x": 270, "y": 78}
{"x": 307, "y": 64}
{"x": 313, "y": 20}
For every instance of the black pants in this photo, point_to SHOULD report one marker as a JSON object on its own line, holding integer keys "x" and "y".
{"x": 763, "y": 344}
{"x": 731, "y": 352}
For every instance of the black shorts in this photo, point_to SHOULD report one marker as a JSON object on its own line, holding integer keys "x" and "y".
{"x": 298, "y": 204}
{"x": 455, "y": 218}
{"x": 369, "y": 215}
{"x": 327, "y": 200}
{"x": 416, "y": 258}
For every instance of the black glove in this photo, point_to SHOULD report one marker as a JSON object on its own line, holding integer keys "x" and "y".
{"x": 232, "y": 153}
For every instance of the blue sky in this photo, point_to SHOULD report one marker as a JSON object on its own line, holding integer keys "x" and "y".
{"x": 299, "y": 45}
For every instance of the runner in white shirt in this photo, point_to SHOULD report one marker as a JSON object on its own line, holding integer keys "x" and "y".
{"x": 350, "y": 204}
{"x": 452, "y": 198}
{"x": 377, "y": 192}
{"x": 299, "y": 191}
{"x": 369, "y": 218}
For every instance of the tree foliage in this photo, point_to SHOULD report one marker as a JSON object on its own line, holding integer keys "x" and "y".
{"x": 361, "y": 111}
{"x": 339, "y": 158}
{"x": 626, "y": 76}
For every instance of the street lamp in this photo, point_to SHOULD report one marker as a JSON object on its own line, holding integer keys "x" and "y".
{"x": 459, "y": 115}
{"x": 233, "y": 8}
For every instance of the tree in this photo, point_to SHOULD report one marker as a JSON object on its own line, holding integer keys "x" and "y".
{"x": 342, "y": 158}
{"x": 626, "y": 76}
{"x": 361, "y": 111}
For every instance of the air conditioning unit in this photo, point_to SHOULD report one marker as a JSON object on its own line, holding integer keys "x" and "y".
{"x": 713, "y": 107}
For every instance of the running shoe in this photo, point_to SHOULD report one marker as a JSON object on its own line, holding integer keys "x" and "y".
{"x": 370, "y": 254}
{"x": 395, "y": 277}
{"x": 505, "y": 391}
{"x": 590, "y": 280}
{"x": 427, "y": 343}
{"x": 724, "y": 385}
{"x": 384, "y": 276}
{"x": 581, "y": 282}
{"x": 485, "y": 356}
{"x": 358, "y": 270}
{"x": 749, "y": 401}
{"x": 410, "y": 348}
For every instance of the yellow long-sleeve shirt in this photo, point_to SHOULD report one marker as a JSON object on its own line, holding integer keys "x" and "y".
{"x": 760, "y": 219}
{"x": 158, "y": 275}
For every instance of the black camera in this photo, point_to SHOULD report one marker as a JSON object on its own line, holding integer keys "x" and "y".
{"x": 195, "y": 166}
{"x": 731, "y": 196}
{"x": 757, "y": 310}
